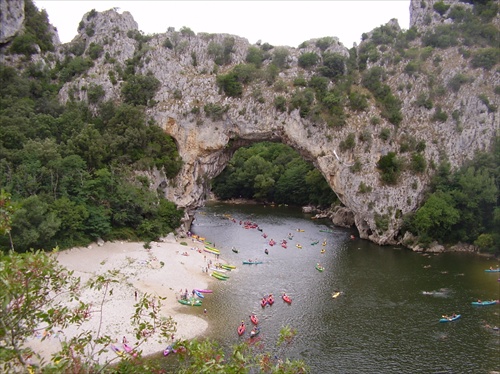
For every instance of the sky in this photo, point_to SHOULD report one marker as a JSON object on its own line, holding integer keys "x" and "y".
{"x": 279, "y": 23}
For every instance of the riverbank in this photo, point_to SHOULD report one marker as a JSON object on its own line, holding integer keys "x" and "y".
{"x": 162, "y": 270}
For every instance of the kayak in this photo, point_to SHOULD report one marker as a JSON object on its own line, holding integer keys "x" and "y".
{"x": 336, "y": 294}
{"x": 252, "y": 262}
{"x": 484, "y": 303}
{"x": 298, "y": 245}
{"x": 270, "y": 300}
{"x": 228, "y": 266}
{"x": 234, "y": 250}
{"x": 241, "y": 329}
{"x": 199, "y": 294}
{"x": 211, "y": 251}
{"x": 192, "y": 302}
{"x": 220, "y": 274}
{"x": 319, "y": 268}
{"x": 263, "y": 302}
{"x": 255, "y": 331}
{"x": 330, "y": 231}
{"x": 203, "y": 291}
{"x": 254, "y": 319}
{"x": 217, "y": 276}
{"x": 287, "y": 299}
{"x": 497, "y": 270}
{"x": 315, "y": 242}
{"x": 450, "y": 319}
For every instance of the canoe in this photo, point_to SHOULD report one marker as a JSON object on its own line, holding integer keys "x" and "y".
{"x": 203, "y": 290}
{"x": 300, "y": 230}
{"x": 319, "y": 268}
{"x": 252, "y": 262}
{"x": 336, "y": 294}
{"x": 216, "y": 276}
{"x": 287, "y": 299}
{"x": 323, "y": 251}
{"x": 241, "y": 329}
{"x": 117, "y": 350}
{"x": 209, "y": 247}
{"x": 220, "y": 274}
{"x": 254, "y": 319}
{"x": 315, "y": 242}
{"x": 450, "y": 319}
{"x": 191, "y": 302}
{"x": 234, "y": 250}
{"x": 228, "y": 266}
{"x": 211, "y": 251}
{"x": 497, "y": 270}
{"x": 298, "y": 246}
{"x": 255, "y": 331}
{"x": 199, "y": 294}
{"x": 484, "y": 303}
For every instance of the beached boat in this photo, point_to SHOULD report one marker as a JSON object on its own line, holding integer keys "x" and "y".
{"x": 286, "y": 299}
{"x": 203, "y": 290}
{"x": 252, "y": 262}
{"x": 192, "y": 302}
{"x": 450, "y": 319}
{"x": 220, "y": 274}
{"x": 228, "y": 266}
{"x": 199, "y": 294}
{"x": 217, "y": 276}
{"x": 117, "y": 350}
{"x": 484, "y": 303}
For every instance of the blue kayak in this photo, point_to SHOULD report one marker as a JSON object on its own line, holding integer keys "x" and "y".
{"x": 484, "y": 303}
{"x": 450, "y": 319}
{"x": 199, "y": 294}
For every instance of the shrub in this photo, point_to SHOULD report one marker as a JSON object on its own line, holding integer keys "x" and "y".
{"x": 424, "y": 101}
{"x": 439, "y": 115}
{"x": 440, "y": 7}
{"x": 95, "y": 93}
{"x": 324, "y": 43}
{"x": 255, "y": 56}
{"x": 418, "y": 163}
{"x": 385, "y": 134}
{"x": 486, "y": 58}
{"x": 348, "y": 143}
{"x": 308, "y": 59}
{"x": 280, "y": 103}
{"x": 230, "y": 84}
{"x": 390, "y": 168}
{"x": 95, "y": 51}
{"x": 457, "y": 81}
{"x": 140, "y": 89}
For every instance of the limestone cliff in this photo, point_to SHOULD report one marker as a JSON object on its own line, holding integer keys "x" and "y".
{"x": 184, "y": 64}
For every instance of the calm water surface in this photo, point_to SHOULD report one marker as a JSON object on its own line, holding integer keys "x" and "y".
{"x": 382, "y": 323}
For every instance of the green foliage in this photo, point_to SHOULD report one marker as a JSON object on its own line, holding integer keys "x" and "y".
{"x": 463, "y": 205}
{"x": 424, "y": 101}
{"x": 440, "y": 7}
{"x": 485, "y": 58}
{"x": 390, "y": 167}
{"x": 221, "y": 52}
{"x": 95, "y": 93}
{"x": 56, "y": 159}
{"x": 390, "y": 104}
{"x": 348, "y": 143}
{"x": 95, "y": 50}
{"x": 457, "y": 81}
{"x": 333, "y": 66}
{"x": 72, "y": 67}
{"x": 140, "y": 89}
{"x": 255, "y": 56}
{"x": 324, "y": 43}
{"x": 358, "y": 101}
{"x": 484, "y": 99}
{"x": 272, "y": 172}
{"x": 36, "y": 32}
{"x": 215, "y": 111}
{"x": 230, "y": 84}
{"x": 308, "y": 60}
{"x": 439, "y": 115}
{"x": 302, "y": 100}
{"x": 280, "y": 56}
{"x": 186, "y": 31}
{"x": 280, "y": 103}
{"x": 418, "y": 163}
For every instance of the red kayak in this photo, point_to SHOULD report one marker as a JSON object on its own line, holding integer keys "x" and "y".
{"x": 263, "y": 302}
{"x": 254, "y": 319}
{"x": 270, "y": 300}
{"x": 287, "y": 299}
{"x": 241, "y": 329}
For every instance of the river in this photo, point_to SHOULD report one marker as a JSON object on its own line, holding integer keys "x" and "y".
{"x": 381, "y": 323}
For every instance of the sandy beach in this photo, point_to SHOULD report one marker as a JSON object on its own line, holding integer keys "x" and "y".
{"x": 162, "y": 270}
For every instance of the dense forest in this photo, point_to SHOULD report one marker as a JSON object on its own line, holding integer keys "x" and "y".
{"x": 273, "y": 172}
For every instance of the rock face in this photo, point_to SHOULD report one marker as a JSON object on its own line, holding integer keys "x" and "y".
{"x": 184, "y": 64}
{"x": 11, "y": 19}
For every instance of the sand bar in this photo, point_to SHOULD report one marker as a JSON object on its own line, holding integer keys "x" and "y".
{"x": 162, "y": 270}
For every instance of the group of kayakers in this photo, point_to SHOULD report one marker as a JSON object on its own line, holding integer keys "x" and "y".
{"x": 267, "y": 300}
